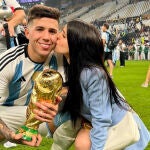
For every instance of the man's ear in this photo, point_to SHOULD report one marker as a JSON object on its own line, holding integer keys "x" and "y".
{"x": 26, "y": 31}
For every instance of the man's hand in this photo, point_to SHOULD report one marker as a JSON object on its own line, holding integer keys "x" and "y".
{"x": 18, "y": 18}
{"x": 9, "y": 135}
{"x": 17, "y": 138}
{"x": 2, "y": 31}
{"x": 10, "y": 29}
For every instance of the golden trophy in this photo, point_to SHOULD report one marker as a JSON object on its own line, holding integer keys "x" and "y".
{"x": 47, "y": 85}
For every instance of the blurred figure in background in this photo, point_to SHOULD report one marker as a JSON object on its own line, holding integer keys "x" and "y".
{"x": 11, "y": 15}
{"x": 121, "y": 47}
{"x": 131, "y": 50}
{"x": 147, "y": 79}
{"x": 108, "y": 52}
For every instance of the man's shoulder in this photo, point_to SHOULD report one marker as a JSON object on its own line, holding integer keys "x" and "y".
{"x": 108, "y": 33}
{"x": 103, "y": 34}
{"x": 11, "y": 55}
{"x": 13, "y": 50}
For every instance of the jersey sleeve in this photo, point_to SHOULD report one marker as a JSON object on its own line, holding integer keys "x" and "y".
{"x": 4, "y": 85}
{"x": 104, "y": 35}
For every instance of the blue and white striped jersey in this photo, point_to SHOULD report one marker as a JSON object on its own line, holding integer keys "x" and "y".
{"x": 105, "y": 36}
{"x": 16, "y": 71}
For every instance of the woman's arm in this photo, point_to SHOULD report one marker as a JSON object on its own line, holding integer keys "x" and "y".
{"x": 95, "y": 83}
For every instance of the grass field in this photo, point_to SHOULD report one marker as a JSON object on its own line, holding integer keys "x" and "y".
{"x": 128, "y": 80}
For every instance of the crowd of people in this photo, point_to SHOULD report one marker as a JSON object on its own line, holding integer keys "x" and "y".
{"x": 91, "y": 103}
{"x": 134, "y": 34}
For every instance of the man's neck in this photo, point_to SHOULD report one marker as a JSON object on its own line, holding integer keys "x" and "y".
{"x": 35, "y": 57}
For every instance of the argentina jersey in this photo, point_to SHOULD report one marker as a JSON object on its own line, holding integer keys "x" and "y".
{"x": 16, "y": 71}
{"x": 105, "y": 36}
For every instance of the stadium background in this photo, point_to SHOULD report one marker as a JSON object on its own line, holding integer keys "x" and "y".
{"x": 129, "y": 19}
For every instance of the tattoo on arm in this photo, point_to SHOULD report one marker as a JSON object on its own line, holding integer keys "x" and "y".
{"x": 4, "y": 130}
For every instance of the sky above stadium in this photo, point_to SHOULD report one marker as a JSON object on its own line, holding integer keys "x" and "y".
{"x": 27, "y": 1}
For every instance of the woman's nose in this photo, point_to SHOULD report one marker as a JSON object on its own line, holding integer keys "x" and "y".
{"x": 58, "y": 35}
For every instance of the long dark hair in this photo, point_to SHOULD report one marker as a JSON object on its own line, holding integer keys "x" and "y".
{"x": 85, "y": 51}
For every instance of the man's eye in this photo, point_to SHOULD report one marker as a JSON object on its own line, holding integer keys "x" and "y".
{"x": 39, "y": 29}
{"x": 53, "y": 31}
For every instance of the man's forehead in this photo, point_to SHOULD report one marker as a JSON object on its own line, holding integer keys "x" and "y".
{"x": 46, "y": 22}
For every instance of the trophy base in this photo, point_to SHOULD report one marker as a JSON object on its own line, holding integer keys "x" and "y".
{"x": 27, "y": 133}
{"x": 27, "y": 138}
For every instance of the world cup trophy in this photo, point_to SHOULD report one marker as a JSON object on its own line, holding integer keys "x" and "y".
{"x": 47, "y": 85}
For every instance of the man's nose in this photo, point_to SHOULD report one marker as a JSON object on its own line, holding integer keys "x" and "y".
{"x": 46, "y": 35}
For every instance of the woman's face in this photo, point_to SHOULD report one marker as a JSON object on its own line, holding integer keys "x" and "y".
{"x": 62, "y": 43}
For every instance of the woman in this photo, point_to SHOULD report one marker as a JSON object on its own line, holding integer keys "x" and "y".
{"x": 92, "y": 94}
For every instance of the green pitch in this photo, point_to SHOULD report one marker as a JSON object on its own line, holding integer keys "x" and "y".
{"x": 128, "y": 80}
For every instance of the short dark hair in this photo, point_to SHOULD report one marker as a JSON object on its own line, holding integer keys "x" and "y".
{"x": 40, "y": 11}
{"x": 106, "y": 25}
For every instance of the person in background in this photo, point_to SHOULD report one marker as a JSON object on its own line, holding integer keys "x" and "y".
{"x": 121, "y": 47}
{"x": 9, "y": 21}
{"x": 147, "y": 79}
{"x": 131, "y": 51}
{"x": 146, "y": 50}
{"x": 92, "y": 95}
{"x": 115, "y": 56}
{"x": 108, "y": 52}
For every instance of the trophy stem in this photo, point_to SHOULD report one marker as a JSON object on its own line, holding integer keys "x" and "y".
{"x": 27, "y": 132}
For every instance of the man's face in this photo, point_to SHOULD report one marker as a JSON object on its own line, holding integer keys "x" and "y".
{"x": 42, "y": 35}
{"x": 103, "y": 28}
{"x": 120, "y": 41}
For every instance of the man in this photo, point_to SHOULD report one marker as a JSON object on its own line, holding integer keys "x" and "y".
{"x": 18, "y": 64}
{"x": 17, "y": 18}
{"x": 121, "y": 48}
{"x": 108, "y": 52}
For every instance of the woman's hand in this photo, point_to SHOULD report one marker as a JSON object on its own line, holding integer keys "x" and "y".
{"x": 45, "y": 111}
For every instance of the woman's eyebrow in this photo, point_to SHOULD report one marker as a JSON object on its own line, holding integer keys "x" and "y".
{"x": 64, "y": 33}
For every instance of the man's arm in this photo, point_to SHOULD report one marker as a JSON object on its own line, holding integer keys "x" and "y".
{"x": 103, "y": 38}
{"x": 4, "y": 130}
{"x": 104, "y": 42}
{"x": 9, "y": 135}
{"x": 18, "y": 18}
